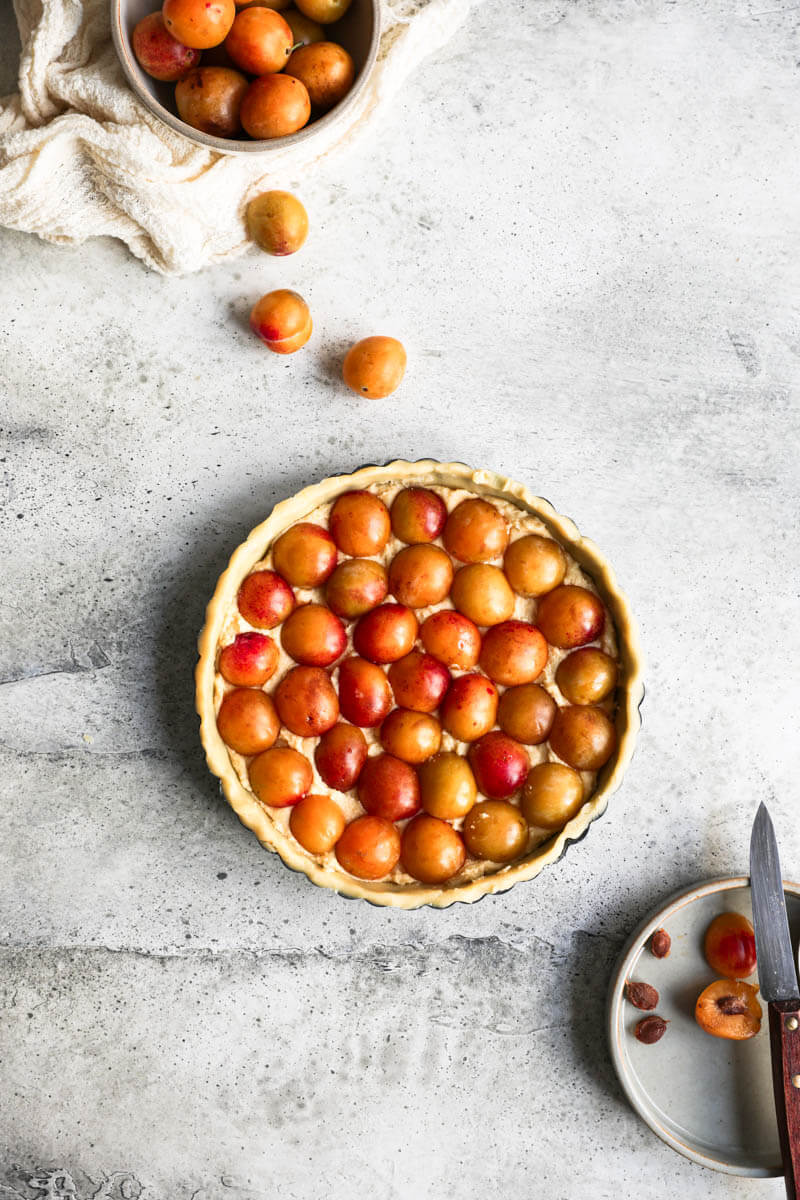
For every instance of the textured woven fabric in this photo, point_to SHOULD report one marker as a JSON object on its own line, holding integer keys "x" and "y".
{"x": 81, "y": 157}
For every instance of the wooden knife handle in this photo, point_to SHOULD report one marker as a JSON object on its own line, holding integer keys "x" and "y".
{"x": 784, "y": 1032}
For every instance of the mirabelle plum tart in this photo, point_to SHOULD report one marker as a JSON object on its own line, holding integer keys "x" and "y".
{"x": 601, "y": 619}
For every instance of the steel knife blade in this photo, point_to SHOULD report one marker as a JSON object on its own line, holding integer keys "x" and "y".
{"x": 777, "y": 974}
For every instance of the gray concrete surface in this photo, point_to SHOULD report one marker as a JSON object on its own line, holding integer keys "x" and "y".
{"x": 582, "y": 220}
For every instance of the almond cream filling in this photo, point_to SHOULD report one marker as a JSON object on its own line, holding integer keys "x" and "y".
{"x": 520, "y": 524}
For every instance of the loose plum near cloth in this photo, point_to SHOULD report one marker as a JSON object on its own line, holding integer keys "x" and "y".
{"x": 80, "y": 157}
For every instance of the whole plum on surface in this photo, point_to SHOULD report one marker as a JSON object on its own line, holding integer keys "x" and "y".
{"x": 281, "y": 319}
{"x": 374, "y": 367}
{"x": 340, "y": 754}
{"x": 278, "y": 222}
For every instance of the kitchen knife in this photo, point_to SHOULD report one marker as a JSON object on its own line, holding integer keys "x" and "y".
{"x": 777, "y": 977}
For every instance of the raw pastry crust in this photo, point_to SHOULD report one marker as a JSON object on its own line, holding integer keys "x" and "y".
{"x": 484, "y": 483}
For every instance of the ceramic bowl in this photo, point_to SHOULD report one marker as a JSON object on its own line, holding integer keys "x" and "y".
{"x": 258, "y": 817}
{"x": 707, "y": 1098}
{"x": 358, "y": 31}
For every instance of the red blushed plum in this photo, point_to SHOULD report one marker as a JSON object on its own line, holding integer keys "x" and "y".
{"x": 418, "y": 515}
{"x": 305, "y": 555}
{"x": 340, "y": 755}
{"x": 356, "y": 586}
{"x": 313, "y": 635}
{"x": 570, "y": 616}
{"x": 452, "y": 638}
{"x": 265, "y": 599}
{"x": 419, "y": 681}
{"x": 389, "y": 788}
{"x": 249, "y": 660}
{"x": 158, "y": 53}
{"x": 386, "y": 633}
{"x": 306, "y": 701}
{"x": 513, "y": 652}
{"x": 499, "y": 764}
{"x": 730, "y": 946}
{"x": 469, "y": 709}
{"x": 247, "y": 721}
{"x": 281, "y": 319}
{"x": 359, "y": 524}
{"x": 365, "y": 695}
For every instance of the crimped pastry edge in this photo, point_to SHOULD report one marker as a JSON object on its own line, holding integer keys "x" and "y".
{"x": 483, "y": 482}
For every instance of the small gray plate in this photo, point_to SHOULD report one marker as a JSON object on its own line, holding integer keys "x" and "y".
{"x": 710, "y": 1099}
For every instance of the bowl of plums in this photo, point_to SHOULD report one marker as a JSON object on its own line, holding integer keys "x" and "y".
{"x": 246, "y": 76}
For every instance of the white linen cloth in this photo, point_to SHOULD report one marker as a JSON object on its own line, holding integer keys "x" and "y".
{"x": 81, "y": 157}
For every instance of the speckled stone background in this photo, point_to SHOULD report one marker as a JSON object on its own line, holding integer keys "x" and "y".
{"x": 582, "y": 220}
